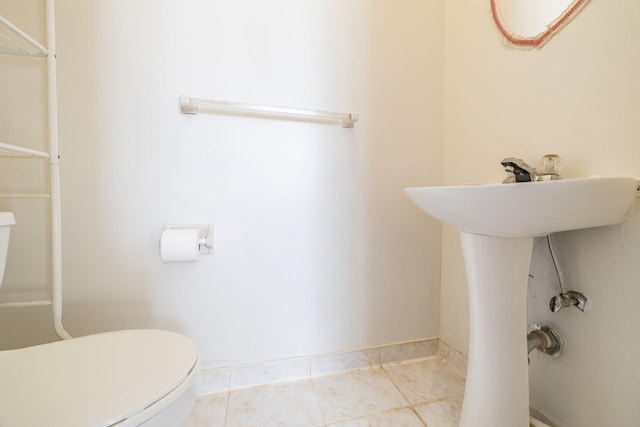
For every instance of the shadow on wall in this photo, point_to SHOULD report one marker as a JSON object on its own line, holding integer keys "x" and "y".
{"x": 402, "y": 150}
{"x": 105, "y": 316}
{"x": 318, "y": 249}
{"x": 24, "y": 327}
{"x": 602, "y": 263}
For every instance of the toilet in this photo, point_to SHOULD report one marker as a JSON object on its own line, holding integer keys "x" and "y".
{"x": 121, "y": 378}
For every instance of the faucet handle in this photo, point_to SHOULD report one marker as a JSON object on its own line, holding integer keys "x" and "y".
{"x": 550, "y": 165}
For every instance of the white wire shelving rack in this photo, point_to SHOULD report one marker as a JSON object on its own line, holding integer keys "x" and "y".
{"x": 196, "y": 105}
{"x": 14, "y": 41}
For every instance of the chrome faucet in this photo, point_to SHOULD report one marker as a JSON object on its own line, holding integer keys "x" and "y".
{"x": 521, "y": 171}
{"x": 549, "y": 168}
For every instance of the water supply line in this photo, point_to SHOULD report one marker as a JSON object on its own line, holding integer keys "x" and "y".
{"x": 564, "y": 298}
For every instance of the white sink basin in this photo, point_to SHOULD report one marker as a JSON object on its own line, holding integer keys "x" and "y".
{"x": 497, "y": 224}
{"x": 529, "y": 209}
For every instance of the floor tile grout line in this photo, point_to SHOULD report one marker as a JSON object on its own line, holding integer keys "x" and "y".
{"x": 413, "y": 406}
{"x": 371, "y": 368}
{"x": 226, "y": 408}
{"x": 316, "y": 394}
{"x": 383, "y": 368}
{"x": 410, "y": 406}
{"x": 333, "y": 374}
{"x": 378, "y": 360}
{"x": 444, "y": 359}
{"x": 395, "y": 385}
{"x": 423, "y": 422}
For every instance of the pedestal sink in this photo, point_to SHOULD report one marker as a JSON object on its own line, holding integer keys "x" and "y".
{"x": 497, "y": 224}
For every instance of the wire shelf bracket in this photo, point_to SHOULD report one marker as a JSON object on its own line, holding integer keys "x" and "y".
{"x": 7, "y": 150}
{"x": 14, "y": 41}
{"x": 194, "y": 106}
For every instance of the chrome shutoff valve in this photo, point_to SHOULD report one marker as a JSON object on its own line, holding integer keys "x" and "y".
{"x": 545, "y": 339}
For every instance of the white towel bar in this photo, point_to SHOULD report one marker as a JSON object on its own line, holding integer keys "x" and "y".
{"x": 194, "y": 105}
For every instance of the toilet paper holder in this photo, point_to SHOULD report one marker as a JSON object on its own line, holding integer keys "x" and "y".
{"x": 205, "y": 235}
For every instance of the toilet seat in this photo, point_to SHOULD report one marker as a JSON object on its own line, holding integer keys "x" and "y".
{"x": 97, "y": 380}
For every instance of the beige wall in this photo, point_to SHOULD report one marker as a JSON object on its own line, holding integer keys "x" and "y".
{"x": 579, "y": 96}
{"x": 317, "y": 247}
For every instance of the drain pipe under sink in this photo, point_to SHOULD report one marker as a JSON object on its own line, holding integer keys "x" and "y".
{"x": 544, "y": 339}
{"x": 548, "y": 341}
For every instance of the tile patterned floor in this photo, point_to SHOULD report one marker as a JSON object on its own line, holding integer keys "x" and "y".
{"x": 418, "y": 393}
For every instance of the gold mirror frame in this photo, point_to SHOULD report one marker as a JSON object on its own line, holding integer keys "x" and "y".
{"x": 540, "y": 39}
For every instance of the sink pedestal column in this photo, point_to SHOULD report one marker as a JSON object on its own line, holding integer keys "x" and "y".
{"x": 497, "y": 386}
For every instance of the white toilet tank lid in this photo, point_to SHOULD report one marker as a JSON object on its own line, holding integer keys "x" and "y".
{"x": 7, "y": 218}
{"x": 97, "y": 380}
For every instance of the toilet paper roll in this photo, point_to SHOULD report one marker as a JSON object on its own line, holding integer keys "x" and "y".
{"x": 179, "y": 245}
